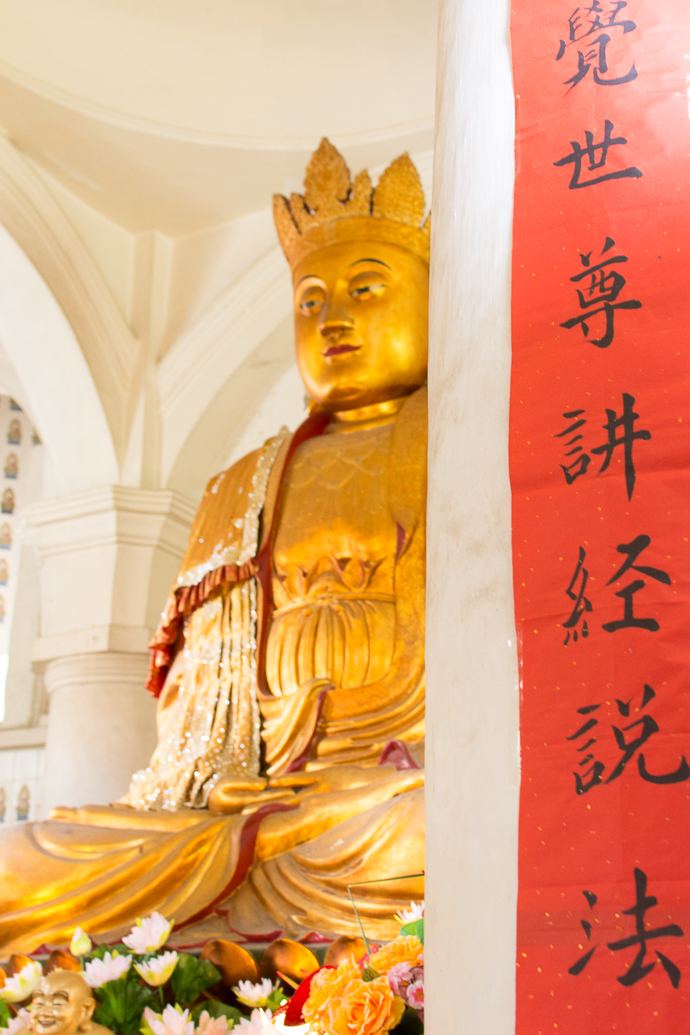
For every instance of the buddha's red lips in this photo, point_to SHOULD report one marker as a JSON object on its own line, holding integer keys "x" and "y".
{"x": 338, "y": 350}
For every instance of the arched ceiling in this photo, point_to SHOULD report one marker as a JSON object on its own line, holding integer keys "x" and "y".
{"x": 180, "y": 114}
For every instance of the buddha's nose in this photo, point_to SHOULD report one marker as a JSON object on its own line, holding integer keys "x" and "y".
{"x": 334, "y": 328}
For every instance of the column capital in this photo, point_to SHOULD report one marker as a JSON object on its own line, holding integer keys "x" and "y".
{"x": 111, "y": 514}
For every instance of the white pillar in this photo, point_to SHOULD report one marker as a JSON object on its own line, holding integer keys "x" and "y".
{"x": 101, "y": 727}
{"x": 107, "y": 559}
{"x": 472, "y": 698}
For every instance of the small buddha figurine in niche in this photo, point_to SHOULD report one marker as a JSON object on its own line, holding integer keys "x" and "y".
{"x": 63, "y": 1005}
{"x": 289, "y": 663}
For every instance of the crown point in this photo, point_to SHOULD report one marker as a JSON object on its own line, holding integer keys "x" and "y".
{"x": 301, "y": 214}
{"x": 399, "y": 194}
{"x": 285, "y": 224}
{"x": 360, "y": 200}
{"x": 327, "y": 181}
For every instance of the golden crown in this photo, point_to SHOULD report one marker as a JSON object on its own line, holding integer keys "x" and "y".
{"x": 335, "y": 208}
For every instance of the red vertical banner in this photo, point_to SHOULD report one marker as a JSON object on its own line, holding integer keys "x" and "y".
{"x": 600, "y": 472}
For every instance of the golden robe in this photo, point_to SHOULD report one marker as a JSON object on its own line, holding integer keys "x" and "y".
{"x": 292, "y": 644}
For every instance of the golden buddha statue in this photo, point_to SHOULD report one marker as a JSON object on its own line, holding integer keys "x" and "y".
{"x": 63, "y": 1005}
{"x": 289, "y": 662}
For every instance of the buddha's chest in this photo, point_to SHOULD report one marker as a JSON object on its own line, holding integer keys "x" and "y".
{"x": 335, "y": 501}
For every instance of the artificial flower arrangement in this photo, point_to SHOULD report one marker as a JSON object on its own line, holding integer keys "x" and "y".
{"x": 142, "y": 987}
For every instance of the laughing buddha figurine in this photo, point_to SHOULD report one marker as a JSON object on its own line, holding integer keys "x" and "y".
{"x": 62, "y": 1005}
{"x": 289, "y": 663}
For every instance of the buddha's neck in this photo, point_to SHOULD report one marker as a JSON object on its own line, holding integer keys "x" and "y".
{"x": 365, "y": 417}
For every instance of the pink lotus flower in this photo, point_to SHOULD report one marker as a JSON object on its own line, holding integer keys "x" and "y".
{"x": 260, "y": 1023}
{"x": 15, "y": 1024}
{"x": 252, "y": 994}
{"x": 211, "y": 1025}
{"x": 18, "y": 988}
{"x": 415, "y": 912}
{"x": 110, "y": 968}
{"x": 156, "y": 971}
{"x": 173, "y": 1021}
{"x": 149, "y": 934}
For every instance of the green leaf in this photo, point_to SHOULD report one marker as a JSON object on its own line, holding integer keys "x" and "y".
{"x": 190, "y": 977}
{"x": 369, "y": 973}
{"x": 275, "y": 999}
{"x": 410, "y": 1023}
{"x": 121, "y": 1004}
{"x": 416, "y": 928}
{"x": 115, "y": 950}
{"x": 5, "y": 1014}
{"x": 214, "y": 1008}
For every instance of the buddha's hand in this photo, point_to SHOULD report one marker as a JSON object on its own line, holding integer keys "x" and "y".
{"x": 247, "y": 794}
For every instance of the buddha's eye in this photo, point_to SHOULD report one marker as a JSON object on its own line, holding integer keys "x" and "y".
{"x": 367, "y": 286}
{"x": 311, "y": 299}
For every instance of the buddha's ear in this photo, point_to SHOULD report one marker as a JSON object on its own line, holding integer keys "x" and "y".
{"x": 88, "y": 1008}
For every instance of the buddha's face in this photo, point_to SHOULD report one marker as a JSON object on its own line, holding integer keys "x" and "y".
{"x": 361, "y": 323}
{"x": 61, "y": 1004}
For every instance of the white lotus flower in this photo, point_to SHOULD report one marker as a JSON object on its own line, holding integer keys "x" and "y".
{"x": 260, "y": 1023}
{"x": 149, "y": 934}
{"x": 415, "y": 912}
{"x": 157, "y": 970}
{"x": 172, "y": 1022}
{"x": 81, "y": 943}
{"x": 18, "y": 988}
{"x": 15, "y": 1024}
{"x": 110, "y": 968}
{"x": 255, "y": 994}
{"x": 211, "y": 1025}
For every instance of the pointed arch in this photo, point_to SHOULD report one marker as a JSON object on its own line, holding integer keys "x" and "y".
{"x": 54, "y": 375}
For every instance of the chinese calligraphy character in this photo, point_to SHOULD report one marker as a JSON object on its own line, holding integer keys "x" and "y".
{"x": 603, "y": 288}
{"x": 589, "y": 150}
{"x": 581, "y": 603}
{"x": 626, "y": 422}
{"x": 598, "y": 768}
{"x": 637, "y": 970}
{"x": 648, "y": 727}
{"x": 582, "y": 462}
{"x": 578, "y": 967}
{"x": 629, "y": 621}
{"x": 583, "y": 23}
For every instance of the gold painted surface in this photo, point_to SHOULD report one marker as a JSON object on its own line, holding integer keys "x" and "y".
{"x": 349, "y": 616}
{"x": 334, "y": 564}
{"x": 310, "y": 882}
{"x": 392, "y": 212}
{"x": 344, "y": 648}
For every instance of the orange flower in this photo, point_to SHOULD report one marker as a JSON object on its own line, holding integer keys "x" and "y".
{"x": 365, "y": 1008}
{"x": 325, "y": 986}
{"x": 405, "y": 949}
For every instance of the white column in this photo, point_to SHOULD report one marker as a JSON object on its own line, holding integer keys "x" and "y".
{"x": 472, "y": 699}
{"x": 107, "y": 559}
{"x": 101, "y": 727}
